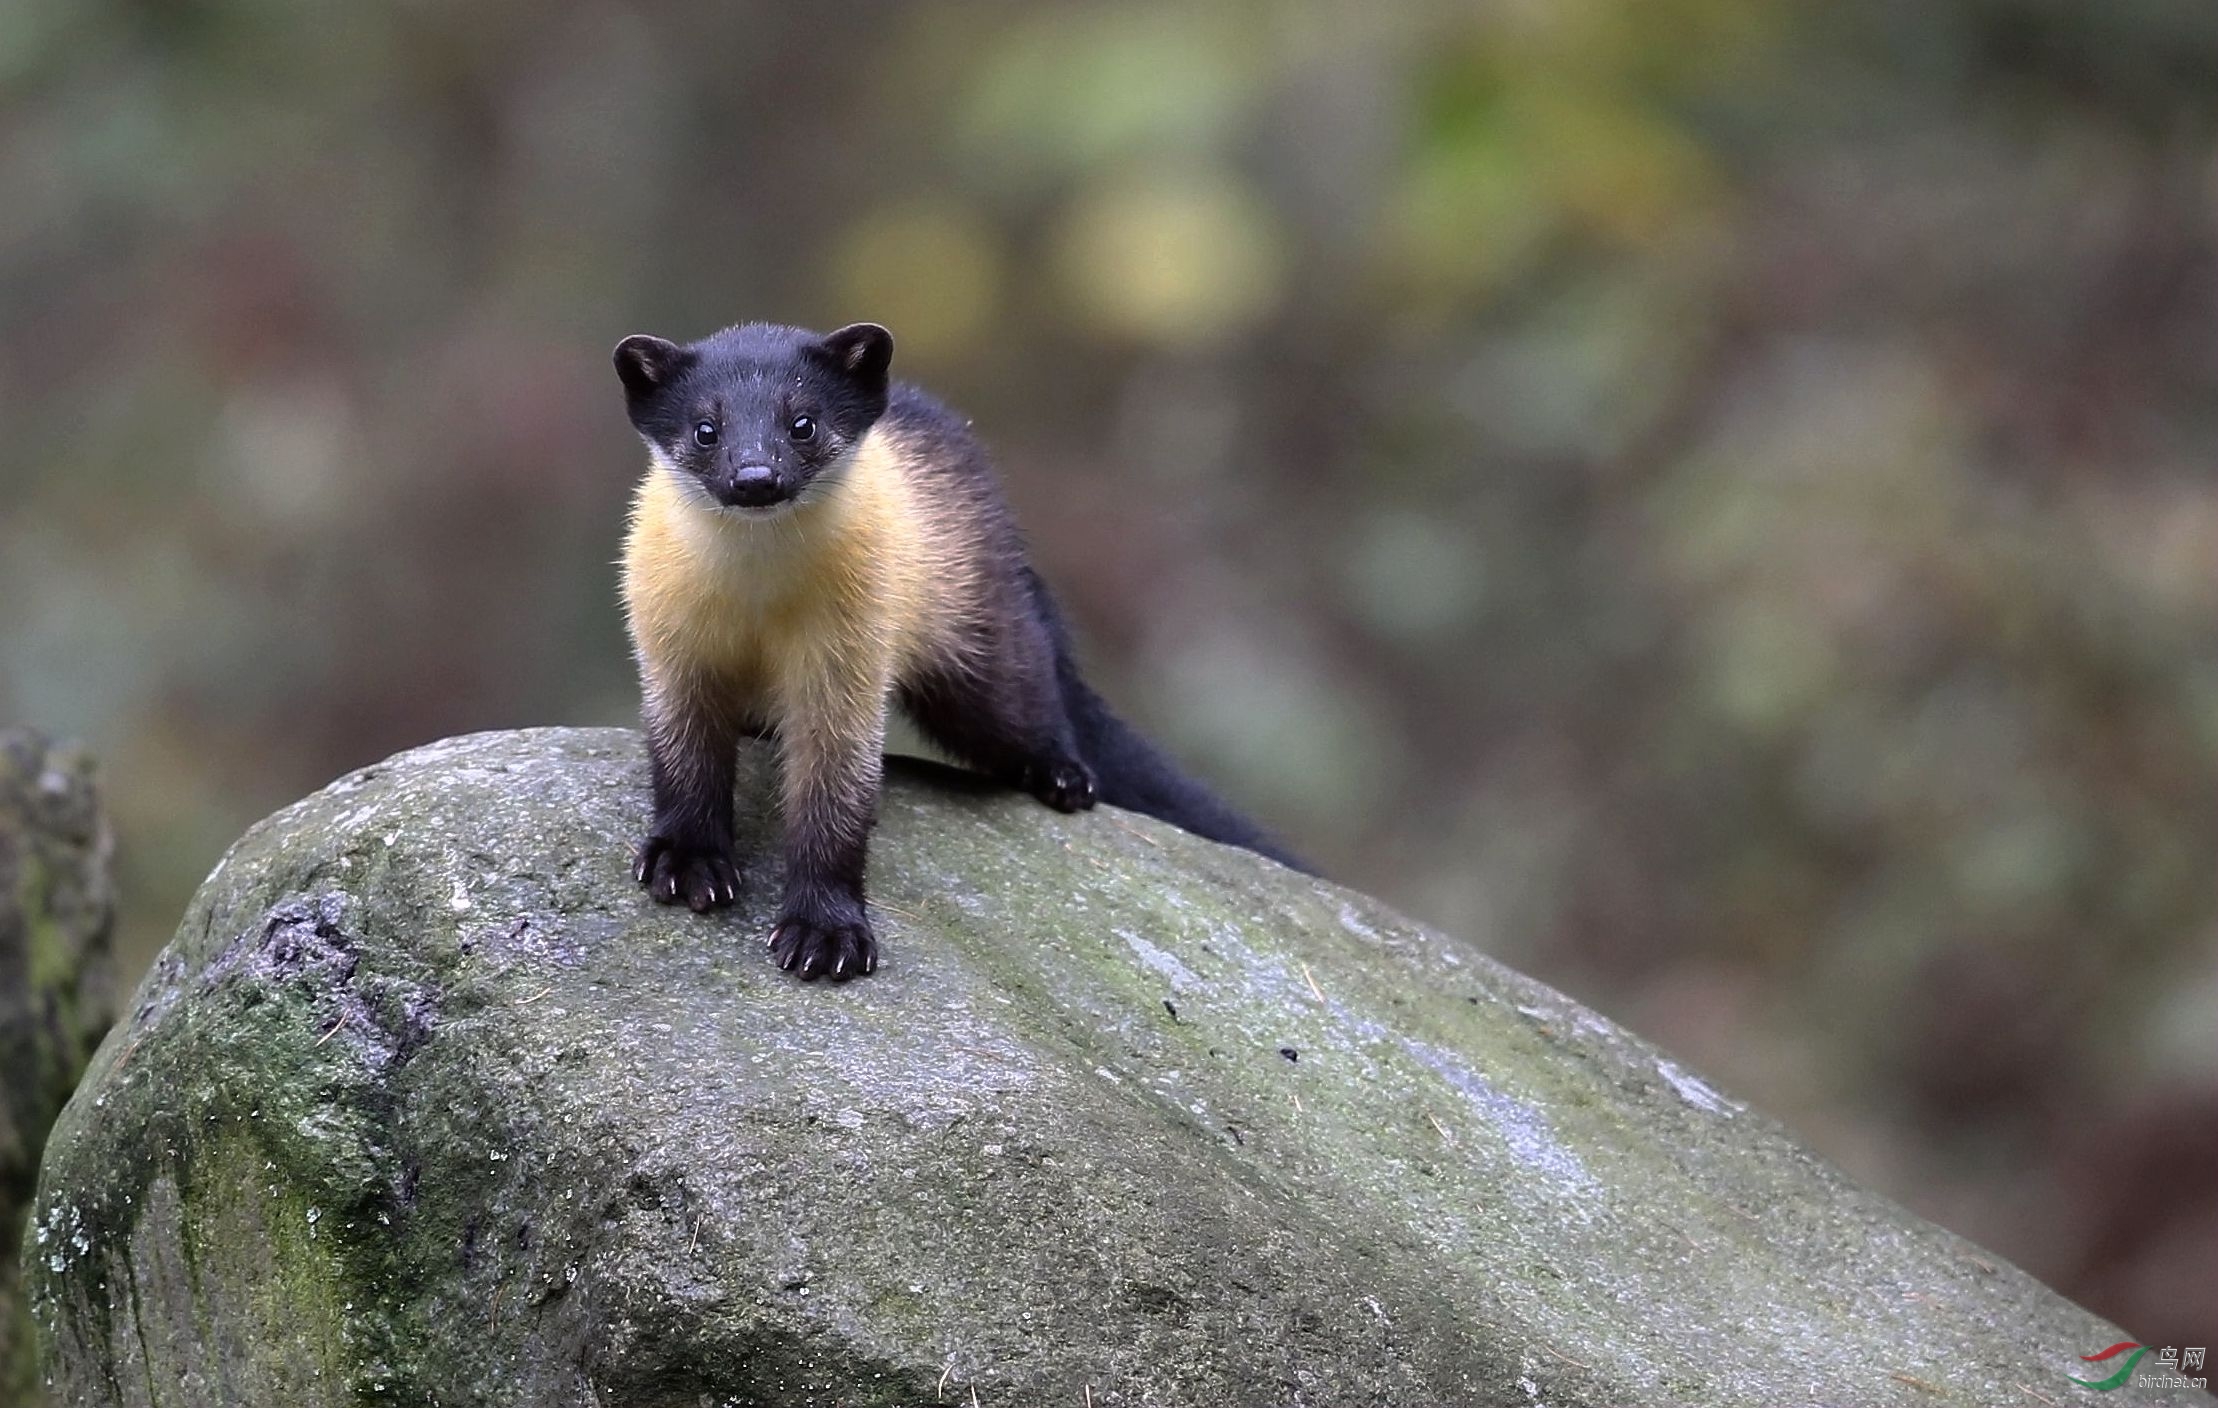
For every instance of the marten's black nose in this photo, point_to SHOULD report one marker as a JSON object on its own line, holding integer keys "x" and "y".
{"x": 754, "y": 486}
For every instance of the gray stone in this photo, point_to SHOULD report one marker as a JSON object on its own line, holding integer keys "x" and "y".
{"x": 427, "y": 1104}
{"x": 57, "y": 916}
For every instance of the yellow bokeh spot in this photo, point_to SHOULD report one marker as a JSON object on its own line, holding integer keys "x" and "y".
{"x": 1172, "y": 258}
{"x": 930, "y": 270}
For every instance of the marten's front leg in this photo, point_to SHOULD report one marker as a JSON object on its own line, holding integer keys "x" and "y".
{"x": 692, "y": 737}
{"x": 833, "y": 743}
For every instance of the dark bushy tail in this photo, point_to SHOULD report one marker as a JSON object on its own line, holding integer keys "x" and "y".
{"x": 1131, "y": 772}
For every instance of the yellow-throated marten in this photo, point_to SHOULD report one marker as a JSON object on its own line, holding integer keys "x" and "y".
{"x": 811, "y": 542}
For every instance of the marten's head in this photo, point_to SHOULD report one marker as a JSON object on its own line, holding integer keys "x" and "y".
{"x": 752, "y": 418}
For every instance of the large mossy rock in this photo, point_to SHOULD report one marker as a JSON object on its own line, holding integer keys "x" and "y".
{"x": 427, "y": 1104}
{"x": 57, "y": 915}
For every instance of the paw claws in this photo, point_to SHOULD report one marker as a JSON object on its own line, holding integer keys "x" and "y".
{"x": 701, "y": 878}
{"x": 1066, "y": 785}
{"x": 835, "y": 950}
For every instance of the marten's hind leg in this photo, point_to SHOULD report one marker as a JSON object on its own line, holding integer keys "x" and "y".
{"x": 1000, "y": 711}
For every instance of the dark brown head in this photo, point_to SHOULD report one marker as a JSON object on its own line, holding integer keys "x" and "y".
{"x": 757, "y": 414}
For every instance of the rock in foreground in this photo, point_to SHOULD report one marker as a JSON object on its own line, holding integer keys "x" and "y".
{"x": 427, "y": 1104}
{"x": 57, "y": 913}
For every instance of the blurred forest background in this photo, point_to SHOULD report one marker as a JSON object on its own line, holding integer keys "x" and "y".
{"x": 1714, "y": 501}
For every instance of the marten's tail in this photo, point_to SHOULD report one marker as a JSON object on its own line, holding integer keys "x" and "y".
{"x": 1131, "y": 772}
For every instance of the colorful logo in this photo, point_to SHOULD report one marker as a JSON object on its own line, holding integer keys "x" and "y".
{"x": 2125, "y": 1370}
{"x": 2176, "y": 1367}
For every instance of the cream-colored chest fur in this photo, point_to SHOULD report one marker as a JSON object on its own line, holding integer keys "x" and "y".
{"x": 822, "y": 606}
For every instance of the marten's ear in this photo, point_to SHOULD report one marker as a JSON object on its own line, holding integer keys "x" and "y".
{"x": 645, "y": 364}
{"x": 862, "y": 350}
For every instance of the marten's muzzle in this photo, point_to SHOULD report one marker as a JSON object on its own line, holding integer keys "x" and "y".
{"x": 752, "y": 486}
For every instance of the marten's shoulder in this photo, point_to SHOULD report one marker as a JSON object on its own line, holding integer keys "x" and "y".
{"x": 935, "y": 440}
{"x": 952, "y": 476}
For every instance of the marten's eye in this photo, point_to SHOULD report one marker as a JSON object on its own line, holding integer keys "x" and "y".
{"x": 704, "y": 433}
{"x": 802, "y": 428}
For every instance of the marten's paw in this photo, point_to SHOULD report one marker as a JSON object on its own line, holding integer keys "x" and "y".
{"x": 1065, "y": 784}
{"x": 675, "y": 873}
{"x": 837, "y": 948}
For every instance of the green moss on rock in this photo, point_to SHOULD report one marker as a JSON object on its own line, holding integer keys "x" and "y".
{"x": 427, "y": 1104}
{"x": 56, "y": 917}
